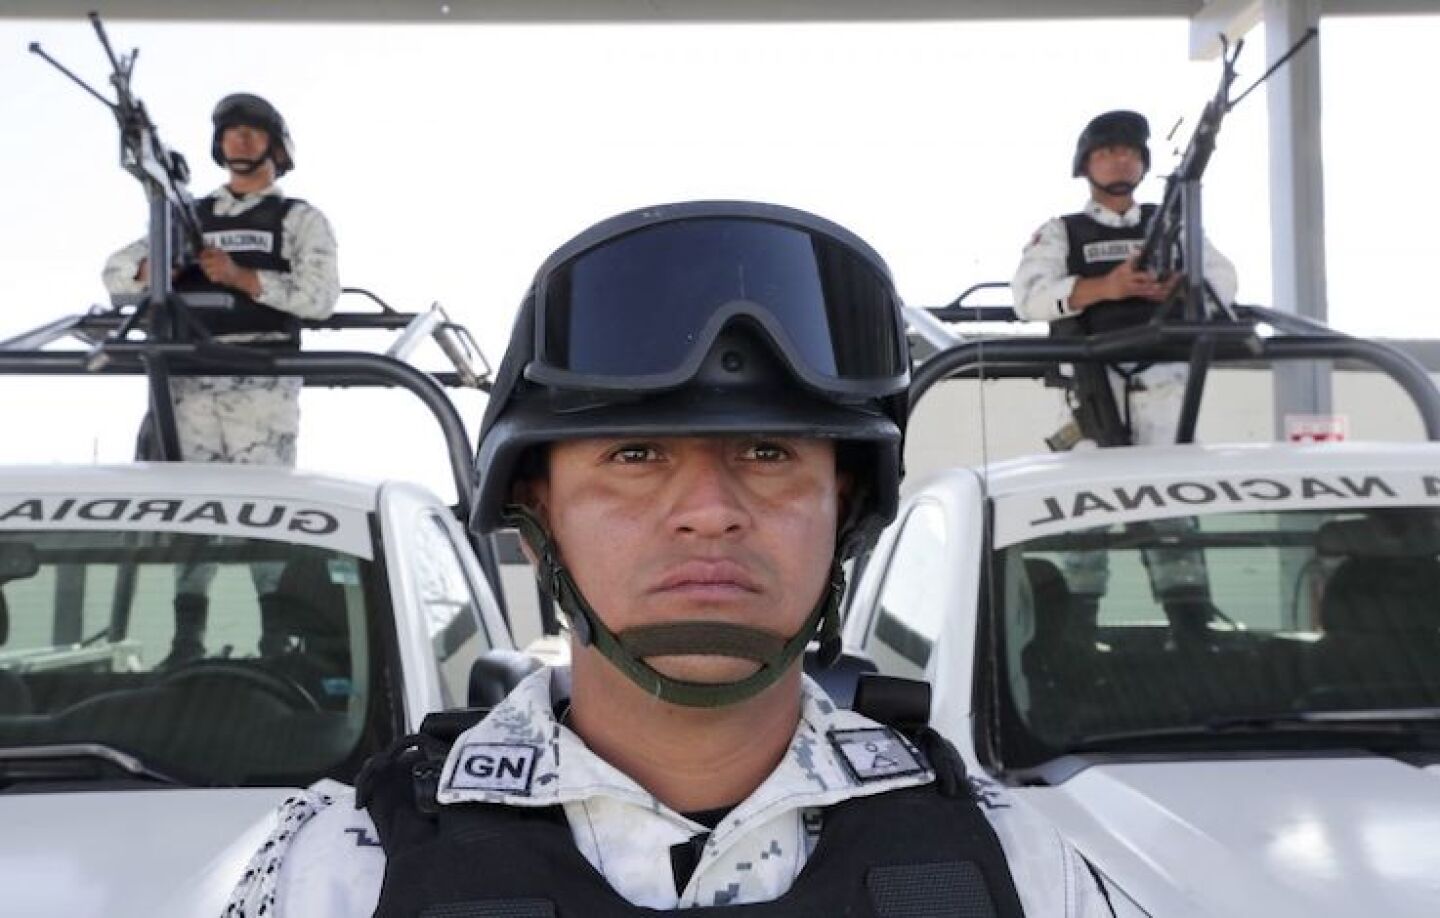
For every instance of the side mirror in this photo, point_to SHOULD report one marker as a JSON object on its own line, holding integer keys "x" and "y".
{"x": 18, "y": 561}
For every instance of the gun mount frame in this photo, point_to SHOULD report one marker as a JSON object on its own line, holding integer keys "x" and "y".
{"x": 1199, "y": 343}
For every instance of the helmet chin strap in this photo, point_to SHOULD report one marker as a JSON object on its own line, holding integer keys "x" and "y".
{"x": 248, "y": 166}
{"x": 244, "y": 166}
{"x": 1116, "y": 189}
{"x": 627, "y": 649}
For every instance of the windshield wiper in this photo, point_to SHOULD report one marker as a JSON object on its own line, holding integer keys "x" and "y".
{"x": 1373, "y": 727}
{"x": 72, "y": 761}
{"x": 1369, "y": 716}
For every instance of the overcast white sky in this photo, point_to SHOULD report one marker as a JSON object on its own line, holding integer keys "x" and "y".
{"x": 452, "y": 159}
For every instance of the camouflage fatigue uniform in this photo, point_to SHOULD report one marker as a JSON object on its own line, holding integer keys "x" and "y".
{"x": 1041, "y": 289}
{"x": 246, "y": 419}
{"x": 323, "y": 859}
{"x": 250, "y": 419}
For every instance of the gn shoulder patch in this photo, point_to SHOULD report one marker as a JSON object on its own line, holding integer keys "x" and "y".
{"x": 505, "y": 768}
{"x": 876, "y": 754}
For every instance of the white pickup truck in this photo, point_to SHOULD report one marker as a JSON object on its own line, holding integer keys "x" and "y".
{"x": 1214, "y": 669}
{"x": 339, "y": 614}
{"x": 137, "y": 784}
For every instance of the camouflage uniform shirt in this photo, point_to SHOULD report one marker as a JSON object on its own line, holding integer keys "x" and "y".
{"x": 1042, "y": 286}
{"x": 323, "y": 858}
{"x": 249, "y": 419}
{"x": 308, "y": 290}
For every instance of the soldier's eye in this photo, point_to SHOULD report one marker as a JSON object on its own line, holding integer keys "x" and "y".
{"x": 767, "y": 451}
{"x": 632, "y": 453}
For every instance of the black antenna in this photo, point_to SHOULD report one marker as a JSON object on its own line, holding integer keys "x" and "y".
{"x": 1310, "y": 34}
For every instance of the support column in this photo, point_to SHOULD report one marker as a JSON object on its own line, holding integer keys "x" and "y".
{"x": 1297, "y": 198}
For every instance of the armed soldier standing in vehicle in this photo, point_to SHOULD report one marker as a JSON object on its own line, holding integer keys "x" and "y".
{"x": 1081, "y": 269}
{"x": 276, "y": 256}
{"x": 1080, "y": 273}
{"x": 688, "y": 496}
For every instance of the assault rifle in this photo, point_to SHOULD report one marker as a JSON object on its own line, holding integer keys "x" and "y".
{"x": 175, "y": 237}
{"x": 1093, "y": 404}
{"x": 1175, "y": 239}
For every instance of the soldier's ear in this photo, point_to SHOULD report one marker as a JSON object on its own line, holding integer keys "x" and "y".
{"x": 529, "y": 483}
{"x": 534, "y": 495}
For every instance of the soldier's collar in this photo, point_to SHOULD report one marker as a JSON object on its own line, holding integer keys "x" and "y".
{"x": 271, "y": 190}
{"x": 1108, "y": 217}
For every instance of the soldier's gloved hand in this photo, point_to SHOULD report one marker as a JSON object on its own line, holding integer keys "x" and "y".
{"x": 1167, "y": 287}
{"x": 1127, "y": 280}
{"x": 220, "y": 268}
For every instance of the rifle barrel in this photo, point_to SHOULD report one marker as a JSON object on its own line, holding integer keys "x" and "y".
{"x": 105, "y": 41}
{"x": 36, "y": 49}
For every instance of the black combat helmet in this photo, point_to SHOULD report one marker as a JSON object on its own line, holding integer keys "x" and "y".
{"x": 253, "y": 111}
{"x": 696, "y": 319}
{"x": 1118, "y": 128}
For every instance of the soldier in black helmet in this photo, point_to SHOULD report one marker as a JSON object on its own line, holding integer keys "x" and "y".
{"x": 1081, "y": 268}
{"x": 1079, "y": 273}
{"x": 699, "y": 417}
{"x": 276, "y": 256}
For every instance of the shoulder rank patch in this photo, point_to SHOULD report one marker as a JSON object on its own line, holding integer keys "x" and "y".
{"x": 876, "y": 753}
{"x": 502, "y": 767}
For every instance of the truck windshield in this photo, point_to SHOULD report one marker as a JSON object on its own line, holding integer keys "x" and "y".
{"x": 217, "y": 659}
{"x": 1160, "y": 627}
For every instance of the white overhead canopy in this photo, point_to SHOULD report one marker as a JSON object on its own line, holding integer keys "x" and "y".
{"x": 1209, "y": 16}
{"x": 598, "y": 10}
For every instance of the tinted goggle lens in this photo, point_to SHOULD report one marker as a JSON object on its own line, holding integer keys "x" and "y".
{"x": 639, "y": 305}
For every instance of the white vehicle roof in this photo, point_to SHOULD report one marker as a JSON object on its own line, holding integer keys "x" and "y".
{"x": 1088, "y": 466}
{"x": 204, "y": 499}
{"x": 189, "y": 478}
{"x": 1043, "y": 495}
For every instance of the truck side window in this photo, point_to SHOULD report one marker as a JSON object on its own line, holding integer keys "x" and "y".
{"x": 452, "y": 610}
{"x": 911, "y": 605}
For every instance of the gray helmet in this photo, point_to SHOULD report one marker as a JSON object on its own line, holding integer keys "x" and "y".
{"x": 1118, "y": 128}
{"x": 696, "y": 319}
{"x": 253, "y": 111}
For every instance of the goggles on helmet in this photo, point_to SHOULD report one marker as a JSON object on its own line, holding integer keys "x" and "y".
{"x": 640, "y": 308}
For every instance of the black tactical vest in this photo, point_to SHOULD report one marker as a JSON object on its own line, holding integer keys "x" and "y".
{"x": 1095, "y": 250}
{"x": 254, "y": 240}
{"x": 919, "y": 851}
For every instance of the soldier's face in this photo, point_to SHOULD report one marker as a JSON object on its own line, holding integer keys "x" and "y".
{"x": 738, "y": 530}
{"x": 241, "y": 141}
{"x": 1111, "y": 164}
